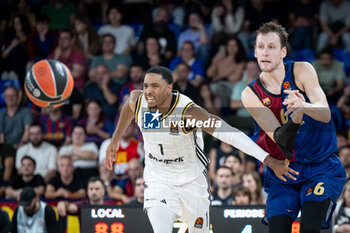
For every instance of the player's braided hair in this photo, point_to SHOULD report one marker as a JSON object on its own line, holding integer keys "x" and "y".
{"x": 276, "y": 28}
{"x": 163, "y": 71}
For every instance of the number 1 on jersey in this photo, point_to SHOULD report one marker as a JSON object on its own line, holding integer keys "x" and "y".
{"x": 161, "y": 149}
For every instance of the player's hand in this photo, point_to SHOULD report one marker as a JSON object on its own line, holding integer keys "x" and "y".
{"x": 281, "y": 168}
{"x": 295, "y": 105}
{"x": 111, "y": 152}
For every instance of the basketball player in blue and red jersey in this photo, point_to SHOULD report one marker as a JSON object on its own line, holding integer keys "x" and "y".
{"x": 294, "y": 121}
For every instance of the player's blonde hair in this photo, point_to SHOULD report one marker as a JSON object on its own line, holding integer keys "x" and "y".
{"x": 276, "y": 28}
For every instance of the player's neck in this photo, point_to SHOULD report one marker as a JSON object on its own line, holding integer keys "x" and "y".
{"x": 164, "y": 107}
{"x": 274, "y": 77}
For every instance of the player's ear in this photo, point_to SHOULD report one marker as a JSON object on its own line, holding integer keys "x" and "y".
{"x": 170, "y": 88}
{"x": 284, "y": 52}
{"x": 255, "y": 55}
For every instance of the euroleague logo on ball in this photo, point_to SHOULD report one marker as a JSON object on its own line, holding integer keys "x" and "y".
{"x": 36, "y": 92}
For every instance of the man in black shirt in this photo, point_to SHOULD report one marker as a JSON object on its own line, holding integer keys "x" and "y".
{"x": 33, "y": 215}
{"x": 223, "y": 194}
{"x": 27, "y": 178}
{"x": 95, "y": 191}
{"x": 4, "y": 222}
{"x": 137, "y": 201}
{"x": 182, "y": 84}
{"x": 66, "y": 184}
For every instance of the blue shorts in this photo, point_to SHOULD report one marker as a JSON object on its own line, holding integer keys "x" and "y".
{"x": 315, "y": 182}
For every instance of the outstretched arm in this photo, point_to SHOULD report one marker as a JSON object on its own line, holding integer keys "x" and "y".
{"x": 238, "y": 139}
{"x": 126, "y": 116}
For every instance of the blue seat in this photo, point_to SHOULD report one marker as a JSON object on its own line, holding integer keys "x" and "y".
{"x": 137, "y": 29}
{"x": 338, "y": 118}
{"x": 343, "y": 56}
{"x": 175, "y": 28}
{"x": 303, "y": 55}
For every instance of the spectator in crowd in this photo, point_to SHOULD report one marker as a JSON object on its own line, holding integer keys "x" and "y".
{"x": 344, "y": 102}
{"x": 226, "y": 69}
{"x": 344, "y": 155}
{"x": 197, "y": 34}
{"x": 84, "y": 154}
{"x": 67, "y": 183}
{"x": 57, "y": 127}
{"x": 335, "y": 24}
{"x": 118, "y": 64}
{"x": 342, "y": 140}
{"x": 123, "y": 34}
{"x": 61, "y": 13}
{"x": 227, "y": 19}
{"x": 42, "y": 217}
{"x": 208, "y": 100}
{"x": 137, "y": 74}
{"x": 217, "y": 157}
{"x": 124, "y": 189}
{"x": 14, "y": 53}
{"x": 73, "y": 107}
{"x": 151, "y": 55}
{"x": 138, "y": 199}
{"x": 94, "y": 123}
{"x": 302, "y": 15}
{"x": 23, "y": 7}
{"x": 252, "y": 181}
{"x": 242, "y": 196}
{"x": 341, "y": 215}
{"x": 105, "y": 91}
{"x": 182, "y": 84}
{"x": 160, "y": 30}
{"x": 73, "y": 58}
{"x": 25, "y": 179}
{"x": 95, "y": 192}
{"x": 108, "y": 177}
{"x": 234, "y": 161}
{"x": 42, "y": 41}
{"x": 43, "y": 153}
{"x": 223, "y": 194}
{"x": 242, "y": 119}
{"x": 86, "y": 38}
{"x": 5, "y": 223}
{"x": 187, "y": 55}
{"x": 14, "y": 120}
{"x": 330, "y": 74}
{"x": 7, "y": 160}
{"x": 256, "y": 12}
{"x": 129, "y": 149}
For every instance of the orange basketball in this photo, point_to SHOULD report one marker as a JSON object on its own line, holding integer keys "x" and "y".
{"x": 48, "y": 83}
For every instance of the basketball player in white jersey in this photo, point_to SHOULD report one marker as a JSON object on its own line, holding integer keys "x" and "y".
{"x": 176, "y": 184}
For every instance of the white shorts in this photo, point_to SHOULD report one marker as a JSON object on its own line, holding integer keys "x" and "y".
{"x": 190, "y": 201}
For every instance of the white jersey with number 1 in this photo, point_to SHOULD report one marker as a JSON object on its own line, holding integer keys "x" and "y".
{"x": 173, "y": 153}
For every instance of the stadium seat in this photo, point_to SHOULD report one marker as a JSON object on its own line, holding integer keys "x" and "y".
{"x": 175, "y": 28}
{"x": 343, "y": 56}
{"x": 303, "y": 55}
{"x": 337, "y": 117}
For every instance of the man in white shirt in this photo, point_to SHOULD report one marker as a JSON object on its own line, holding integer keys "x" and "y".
{"x": 84, "y": 154}
{"x": 42, "y": 152}
{"x": 124, "y": 34}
